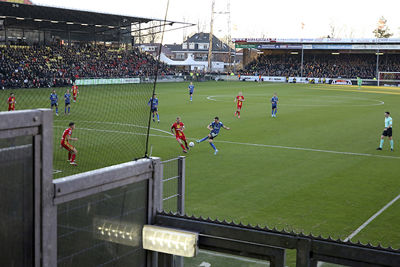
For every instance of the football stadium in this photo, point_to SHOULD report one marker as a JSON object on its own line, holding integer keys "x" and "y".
{"x": 119, "y": 149}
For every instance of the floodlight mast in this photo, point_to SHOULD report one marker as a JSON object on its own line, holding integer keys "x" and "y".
{"x": 211, "y": 36}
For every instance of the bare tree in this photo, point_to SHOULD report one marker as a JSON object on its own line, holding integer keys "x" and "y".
{"x": 153, "y": 33}
{"x": 382, "y": 30}
{"x": 332, "y": 30}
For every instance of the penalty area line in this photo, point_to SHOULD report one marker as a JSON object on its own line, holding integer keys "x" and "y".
{"x": 122, "y": 124}
{"x": 371, "y": 218}
{"x": 120, "y": 132}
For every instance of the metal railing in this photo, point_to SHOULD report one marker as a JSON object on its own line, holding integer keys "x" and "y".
{"x": 271, "y": 245}
{"x": 173, "y": 185}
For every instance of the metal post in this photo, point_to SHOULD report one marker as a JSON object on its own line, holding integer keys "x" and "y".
{"x": 302, "y": 61}
{"x": 179, "y": 262}
{"x": 303, "y": 258}
{"x": 181, "y": 185}
{"x": 5, "y": 35}
{"x": 49, "y": 210}
{"x": 157, "y": 187}
{"x": 377, "y": 66}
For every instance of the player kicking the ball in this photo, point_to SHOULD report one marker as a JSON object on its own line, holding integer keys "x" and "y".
{"x": 178, "y": 126}
{"x": 214, "y": 127}
{"x": 66, "y": 137}
{"x": 239, "y": 99}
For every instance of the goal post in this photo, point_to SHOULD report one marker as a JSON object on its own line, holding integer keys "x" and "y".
{"x": 388, "y": 78}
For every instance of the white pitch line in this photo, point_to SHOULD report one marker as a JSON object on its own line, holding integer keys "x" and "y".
{"x": 311, "y": 149}
{"x": 115, "y": 131}
{"x": 212, "y": 98}
{"x": 371, "y": 219}
{"x": 124, "y": 124}
{"x": 233, "y": 257}
{"x": 11, "y": 148}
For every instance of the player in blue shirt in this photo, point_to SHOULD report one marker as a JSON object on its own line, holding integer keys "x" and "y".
{"x": 153, "y": 103}
{"x": 67, "y": 99}
{"x": 214, "y": 127}
{"x": 191, "y": 90}
{"x": 387, "y": 131}
{"x": 274, "y": 103}
{"x": 54, "y": 101}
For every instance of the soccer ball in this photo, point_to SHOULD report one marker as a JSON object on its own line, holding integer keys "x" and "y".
{"x": 191, "y": 144}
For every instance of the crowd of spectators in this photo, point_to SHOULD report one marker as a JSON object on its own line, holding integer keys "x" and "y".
{"x": 48, "y": 66}
{"x": 323, "y": 65}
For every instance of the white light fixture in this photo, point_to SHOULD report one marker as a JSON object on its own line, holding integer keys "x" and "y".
{"x": 84, "y": 24}
{"x": 18, "y": 18}
{"x": 294, "y": 53}
{"x": 97, "y": 25}
{"x": 170, "y": 241}
{"x": 70, "y": 23}
{"x": 3, "y": 17}
{"x": 123, "y": 28}
{"x": 335, "y": 53}
{"x": 111, "y": 27}
{"x": 380, "y": 54}
{"x": 38, "y": 20}
{"x": 54, "y": 21}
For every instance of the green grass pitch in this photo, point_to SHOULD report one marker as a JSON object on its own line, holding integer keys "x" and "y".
{"x": 314, "y": 168}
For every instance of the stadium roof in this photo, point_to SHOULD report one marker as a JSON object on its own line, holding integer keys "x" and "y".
{"x": 318, "y": 40}
{"x": 46, "y": 13}
{"x": 319, "y": 44}
{"x": 57, "y": 19}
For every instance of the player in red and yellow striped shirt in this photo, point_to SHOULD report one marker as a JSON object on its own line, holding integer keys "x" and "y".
{"x": 75, "y": 91}
{"x": 66, "y": 137}
{"x": 239, "y": 99}
{"x": 178, "y": 126}
{"x": 11, "y": 102}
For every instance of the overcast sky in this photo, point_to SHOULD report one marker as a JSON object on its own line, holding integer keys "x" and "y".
{"x": 257, "y": 18}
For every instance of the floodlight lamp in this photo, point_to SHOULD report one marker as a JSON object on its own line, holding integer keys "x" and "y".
{"x": 18, "y": 18}
{"x": 335, "y": 53}
{"x": 54, "y": 21}
{"x": 70, "y": 23}
{"x": 170, "y": 241}
{"x": 38, "y": 20}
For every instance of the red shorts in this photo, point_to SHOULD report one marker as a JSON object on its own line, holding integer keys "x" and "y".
{"x": 182, "y": 137}
{"x": 239, "y": 107}
{"x": 68, "y": 146}
{"x": 11, "y": 107}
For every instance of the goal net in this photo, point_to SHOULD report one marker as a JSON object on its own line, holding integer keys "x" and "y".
{"x": 386, "y": 78}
